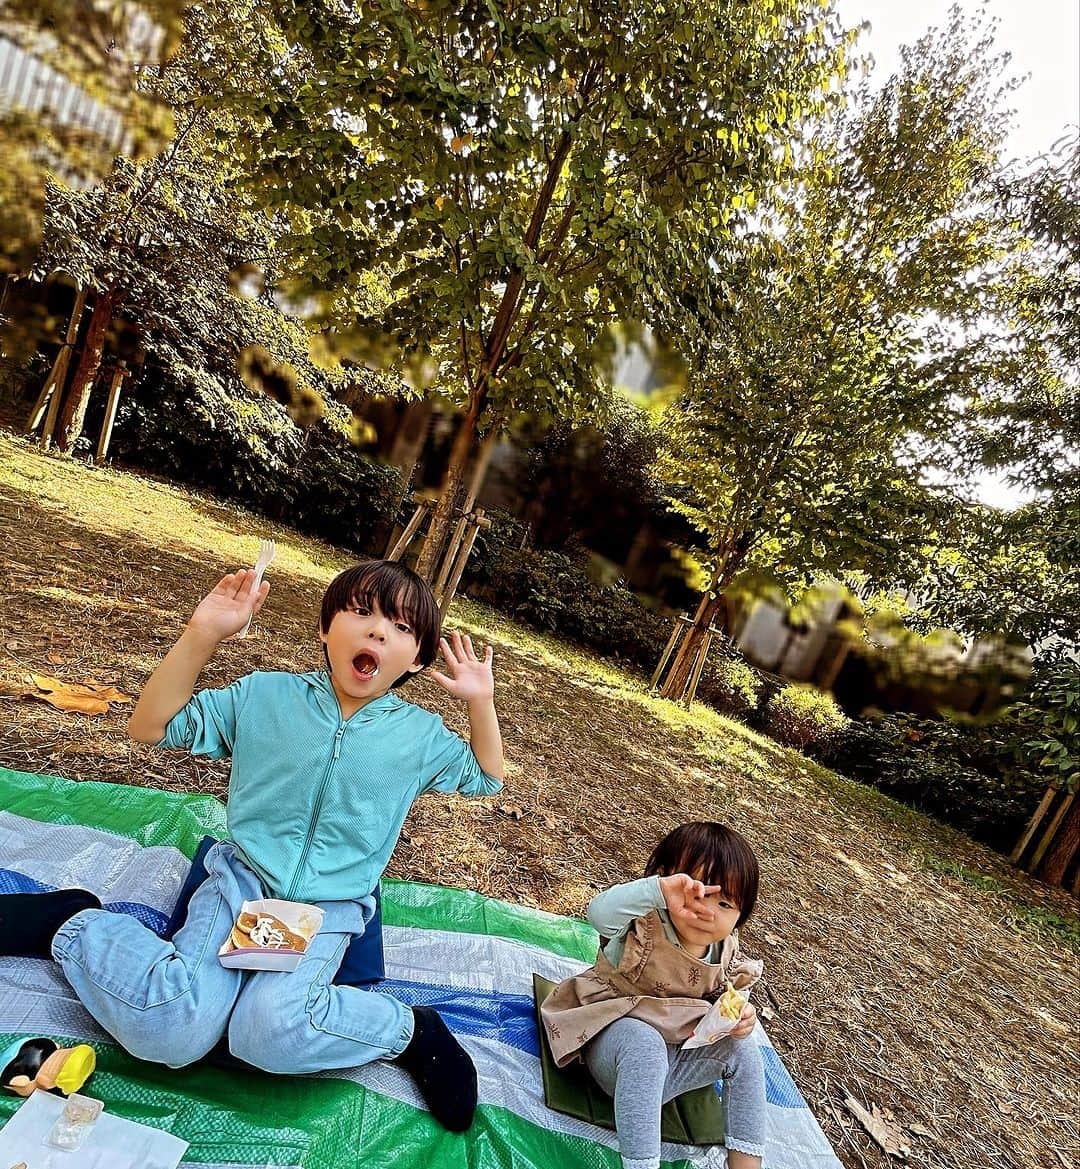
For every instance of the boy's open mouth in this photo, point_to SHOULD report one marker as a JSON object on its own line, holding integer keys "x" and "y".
{"x": 366, "y": 664}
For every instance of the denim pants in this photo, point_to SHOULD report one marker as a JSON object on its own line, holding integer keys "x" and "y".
{"x": 170, "y": 1002}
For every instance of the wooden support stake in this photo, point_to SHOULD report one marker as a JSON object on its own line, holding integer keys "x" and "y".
{"x": 1033, "y": 824}
{"x": 1051, "y": 832}
{"x": 699, "y": 665}
{"x": 668, "y": 650}
{"x": 450, "y": 556}
{"x": 110, "y": 412}
{"x": 58, "y": 374}
{"x": 463, "y": 559}
{"x": 410, "y": 531}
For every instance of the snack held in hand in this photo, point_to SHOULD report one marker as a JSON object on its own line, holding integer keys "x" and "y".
{"x": 731, "y": 1003}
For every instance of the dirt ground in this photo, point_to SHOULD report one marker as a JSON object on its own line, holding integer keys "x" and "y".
{"x": 908, "y": 968}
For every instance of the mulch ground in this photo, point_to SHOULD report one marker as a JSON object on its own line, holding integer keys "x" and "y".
{"x": 890, "y": 981}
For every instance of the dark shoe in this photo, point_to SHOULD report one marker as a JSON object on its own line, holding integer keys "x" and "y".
{"x": 443, "y": 1070}
{"x": 29, "y": 921}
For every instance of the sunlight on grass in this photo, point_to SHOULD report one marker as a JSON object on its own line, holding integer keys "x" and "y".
{"x": 123, "y": 502}
{"x": 719, "y": 741}
{"x": 1023, "y": 918}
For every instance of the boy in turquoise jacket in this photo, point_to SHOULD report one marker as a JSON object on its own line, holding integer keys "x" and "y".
{"x": 325, "y": 767}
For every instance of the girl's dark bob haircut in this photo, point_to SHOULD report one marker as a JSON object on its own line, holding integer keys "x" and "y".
{"x": 397, "y": 592}
{"x": 716, "y": 855}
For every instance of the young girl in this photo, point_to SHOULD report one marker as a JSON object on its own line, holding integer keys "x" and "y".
{"x": 673, "y": 947}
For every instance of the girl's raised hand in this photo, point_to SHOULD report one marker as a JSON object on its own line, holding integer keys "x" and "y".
{"x": 471, "y": 678}
{"x": 688, "y": 900}
{"x": 226, "y": 609}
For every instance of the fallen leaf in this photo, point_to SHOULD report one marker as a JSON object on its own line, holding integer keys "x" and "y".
{"x": 766, "y": 1012}
{"x": 882, "y": 1126}
{"x": 80, "y": 698}
{"x": 920, "y": 1130}
{"x": 55, "y": 659}
{"x": 511, "y": 810}
{"x": 772, "y": 939}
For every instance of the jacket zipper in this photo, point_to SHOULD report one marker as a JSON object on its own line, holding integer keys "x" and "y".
{"x": 315, "y": 814}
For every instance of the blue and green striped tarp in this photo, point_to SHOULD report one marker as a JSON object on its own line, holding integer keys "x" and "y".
{"x": 469, "y": 956}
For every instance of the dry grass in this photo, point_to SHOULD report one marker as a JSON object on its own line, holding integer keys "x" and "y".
{"x": 905, "y": 963}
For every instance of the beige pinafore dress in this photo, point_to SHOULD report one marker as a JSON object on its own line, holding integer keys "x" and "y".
{"x": 656, "y": 981}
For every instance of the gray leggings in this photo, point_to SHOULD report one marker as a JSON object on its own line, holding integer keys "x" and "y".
{"x": 631, "y": 1061}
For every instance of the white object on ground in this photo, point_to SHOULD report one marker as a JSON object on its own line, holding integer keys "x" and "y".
{"x": 112, "y": 1142}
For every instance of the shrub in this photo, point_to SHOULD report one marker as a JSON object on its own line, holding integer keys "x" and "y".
{"x": 957, "y": 772}
{"x": 553, "y": 592}
{"x": 731, "y": 685}
{"x": 247, "y": 448}
{"x": 800, "y": 715}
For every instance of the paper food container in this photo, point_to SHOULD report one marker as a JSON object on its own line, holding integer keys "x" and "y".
{"x": 714, "y": 1026}
{"x": 270, "y": 935}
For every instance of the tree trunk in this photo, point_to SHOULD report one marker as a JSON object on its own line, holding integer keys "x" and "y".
{"x": 73, "y": 413}
{"x": 678, "y": 679}
{"x": 1063, "y": 849}
{"x": 443, "y": 518}
{"x": 480, "y": 468}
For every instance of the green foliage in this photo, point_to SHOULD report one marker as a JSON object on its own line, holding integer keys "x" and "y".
{"x": 526, "y": 179}
{"x": 553, "y": 592}
{"x": 732, "y": 686}
{"x": 1018, "y": 572}
{"x": 833, "y": 367}
{"x": 1046, "y": 724}
{"x": 959, "y": 772}
{"x": 102, "y": 48}
{"x": 248, "y": 449}
{"x": 800, "y": 715}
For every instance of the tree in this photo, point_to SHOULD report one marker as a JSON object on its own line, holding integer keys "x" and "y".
{"x": 801, "y": 442}
{"x": 163, "y": 242}
{"x": 526, "y": 177}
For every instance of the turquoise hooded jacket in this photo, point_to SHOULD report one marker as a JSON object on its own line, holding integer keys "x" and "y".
{"x": 316, "y": 803}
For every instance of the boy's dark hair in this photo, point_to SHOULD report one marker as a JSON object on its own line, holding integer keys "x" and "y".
{"x": 397, "y": 592}
{"x": 716, "y": 855}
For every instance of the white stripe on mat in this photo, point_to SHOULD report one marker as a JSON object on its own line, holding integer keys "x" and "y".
{"x": 69, "y": 855}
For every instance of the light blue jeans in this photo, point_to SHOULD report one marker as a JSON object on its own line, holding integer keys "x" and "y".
{"x": 170, "y": 1002}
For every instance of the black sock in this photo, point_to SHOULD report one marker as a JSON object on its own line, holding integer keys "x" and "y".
{"x": 442, "y": 1069}
{"x": 29, "y": 921}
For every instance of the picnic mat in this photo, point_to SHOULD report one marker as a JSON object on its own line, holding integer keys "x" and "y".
{"x": 469, "y": 956}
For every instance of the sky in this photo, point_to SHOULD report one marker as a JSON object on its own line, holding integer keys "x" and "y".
{"x": 1043, "y": 38}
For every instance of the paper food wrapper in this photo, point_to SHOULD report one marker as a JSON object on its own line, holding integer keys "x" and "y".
{"x": 275, "y": 935}
{"x": 714, "y": 1026}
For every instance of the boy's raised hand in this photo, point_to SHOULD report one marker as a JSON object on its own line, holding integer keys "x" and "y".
{"x": 688, "y": 900}
{"x": 471, "y": 678}
{"x": 226, "y": 609}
